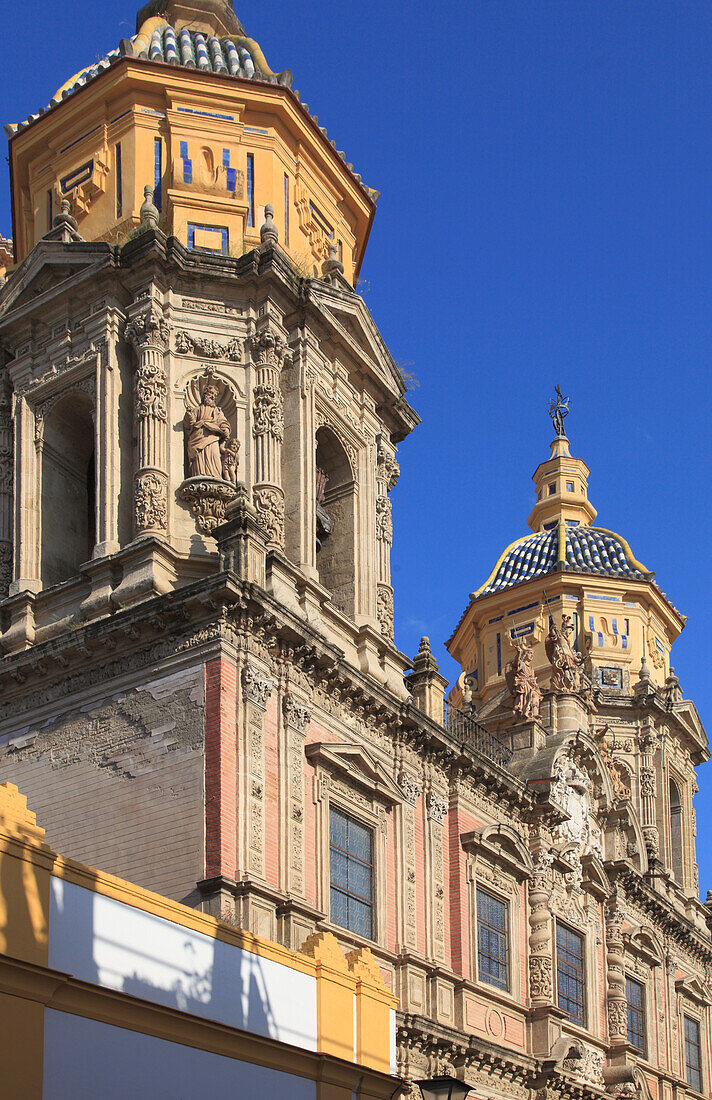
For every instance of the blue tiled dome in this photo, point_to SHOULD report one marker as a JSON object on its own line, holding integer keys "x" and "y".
{"x": 586, "y": 550}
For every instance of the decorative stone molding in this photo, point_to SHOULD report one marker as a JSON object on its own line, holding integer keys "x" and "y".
{"x": 7, "y": 471}
{"x": 257, "y": 688}
{"x": 269, "y": 506}
{"x": 437, "y": 806}
{"x": 411, "y": 787}
{"x": 384, "y": 610}
{"x": 150, "y": 500}
{"x": 187, "y": 343}
{"x": 295, "y": 713}
{"x": 268, "y": 412}
{"x": 70, "y": 362}
{"x": 207, "y": 499}
{"x": 81, "y": 385}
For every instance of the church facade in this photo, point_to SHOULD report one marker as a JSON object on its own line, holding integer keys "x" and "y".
{"x": 199, "y": 424}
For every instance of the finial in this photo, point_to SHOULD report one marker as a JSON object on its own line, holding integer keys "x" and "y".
{"x": 558, "y": 410}
{"x": 268, "y": 233}
{"x": 149, "y": 212}
{"x": 424, "y": 646}
{"x": 644, "y": 673}
{"x": 65, "y": 216}
{"x": 333, "y": 263}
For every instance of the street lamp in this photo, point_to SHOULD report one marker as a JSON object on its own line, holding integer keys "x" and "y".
{"x": 443, "y": 1088}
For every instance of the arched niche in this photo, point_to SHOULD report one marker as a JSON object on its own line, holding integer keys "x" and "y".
{"x": 68, "y": 499}
{"x": 335, "y": 520}
{"x": 677, "y": 865}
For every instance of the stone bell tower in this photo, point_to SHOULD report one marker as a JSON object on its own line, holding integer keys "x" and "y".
{"x": 190, "y": 382}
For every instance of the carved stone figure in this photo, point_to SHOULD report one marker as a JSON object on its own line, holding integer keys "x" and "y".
{"x": 206, "y": 434}
{"x": 230, "y": 459}
{"x": 522, "y": 681}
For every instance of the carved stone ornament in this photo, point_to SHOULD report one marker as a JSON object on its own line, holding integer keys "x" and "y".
{"x": 5, "y": 566}
{"x": 522, "y": 681}
{"x": 268, "y": 413}
{"x": 151, "y": 391}
{"x": 647, "y": 782}
{"x": 587, "y": 1067}
{"x": 148, "y": 330}
{"x": 387, "y": 468}
{"x": 411, "y": 787}
{"x": 190, "y": 344}
{"x": 384, "y": 520}
{"x": 150, "y": 500}
{"x": 617, "y": 1017}
{"x": 540, "y": 974}
{"x": 269, "y": 506}
{"x": 384, "y": 610}
{"x": 652, "y": 841}
{"x": 437, "y": 806}
{"x": 207, "y": 498}
{"x": 295, "y": 713}
{"x": 269, "y": 349}
{"x": 257, "y": 688}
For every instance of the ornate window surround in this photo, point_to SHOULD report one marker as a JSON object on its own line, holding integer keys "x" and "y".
{"x": 348, "y": 778}
{"x": 498, "y": 861}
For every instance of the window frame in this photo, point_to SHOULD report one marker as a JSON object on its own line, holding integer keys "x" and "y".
{"x": 506, "y": 935}
{"x": 688, "y": 1019}
{"x": 581, "y": 1020}
{"x": 335, "y": 808}
{"x": 642, "y": 1013}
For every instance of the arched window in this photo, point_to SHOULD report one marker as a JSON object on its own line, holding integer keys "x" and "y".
{"x": 335, "y": 521}
{"x": 68, "y": 488}
{"x": 676, "y": 832}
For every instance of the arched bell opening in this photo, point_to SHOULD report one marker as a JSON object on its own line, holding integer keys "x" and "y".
{"x": 68, "y": 502}
{"x": 335, "y": 521}
{"x": 676, "y": 860}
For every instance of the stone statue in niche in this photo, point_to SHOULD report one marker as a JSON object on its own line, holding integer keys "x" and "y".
{"x": 324, "y": 522}
{"x": 522, "y": 681}
{"x": 212, "y": 450}
{"x": 207, "y": 432}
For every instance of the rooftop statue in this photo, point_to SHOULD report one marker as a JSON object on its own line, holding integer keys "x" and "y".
{"x": 522, "y": 681}
{"x": 558, "y": 410}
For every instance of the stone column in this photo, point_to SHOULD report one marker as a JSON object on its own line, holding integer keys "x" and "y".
{"x": 148, "y": 333}
{"x": 411, "y": 786}
{"x": 256, "y": 690}
{"x": 296, "y": 719}
{"x": 7, "y": 467}
{"x": 648, "y": 794}
{"x": 268, "y": 353}
{"x": 437, "y": 808}
{"x": 617, "y": 1008}
{"x": 387, "y": 473}
{"x": 541, "y": 988}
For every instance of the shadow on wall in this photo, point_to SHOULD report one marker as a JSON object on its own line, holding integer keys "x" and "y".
{"x": 111, "y": 944}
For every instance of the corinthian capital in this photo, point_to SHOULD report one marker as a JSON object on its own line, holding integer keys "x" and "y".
{"x": 268, "y": 349}
{"x": 148, "y": 330}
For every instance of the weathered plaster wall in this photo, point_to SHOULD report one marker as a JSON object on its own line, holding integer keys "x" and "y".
{"x": 138, "y": 758}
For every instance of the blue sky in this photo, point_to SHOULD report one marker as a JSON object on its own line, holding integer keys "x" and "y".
{"x": 546, "y": 217}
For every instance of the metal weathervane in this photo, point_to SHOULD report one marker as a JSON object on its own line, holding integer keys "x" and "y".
{"x": 558, "y": 410}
